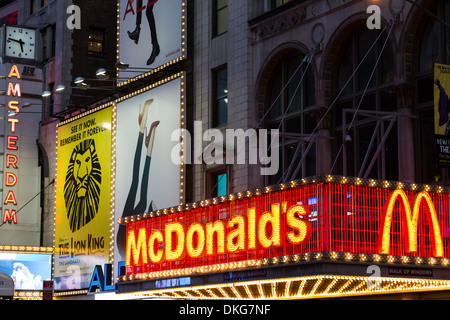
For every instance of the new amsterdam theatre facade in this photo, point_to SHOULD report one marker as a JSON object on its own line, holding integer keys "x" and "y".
{"x": 359, "y": 205}
{"x": 355, "y": 109}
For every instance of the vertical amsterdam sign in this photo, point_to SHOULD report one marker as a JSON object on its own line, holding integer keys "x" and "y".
{"x": 12, "y": 147}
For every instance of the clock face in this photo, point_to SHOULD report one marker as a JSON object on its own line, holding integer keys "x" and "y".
{"x": 20, "y": 42}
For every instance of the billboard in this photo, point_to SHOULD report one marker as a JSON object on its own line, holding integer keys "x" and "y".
{"x": 441, "y": 113}
{"x": 28, "y": 270}
{"x": 83, "y": 202}
{"x": 20, "y": 112}
{"x": 146, "y": 177}
{"x": 151, "y": 36}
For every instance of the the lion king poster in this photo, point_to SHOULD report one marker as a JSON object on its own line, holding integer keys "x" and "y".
{"x": 82, "y": 199}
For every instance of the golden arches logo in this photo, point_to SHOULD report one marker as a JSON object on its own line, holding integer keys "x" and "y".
{"x": 410, "y": 222}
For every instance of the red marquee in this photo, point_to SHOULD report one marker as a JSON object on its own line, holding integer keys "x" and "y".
{"x": 320, "y": 214}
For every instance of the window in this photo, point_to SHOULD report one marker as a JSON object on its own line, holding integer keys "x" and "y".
{"x": 220, "y": 103}
{"x": 433, "y": 46}
{"x": 370, "y": 112}
{"x": 96, "y": 45}
{"x": 220, "y": 17}
{"x": 43, "y": 3}
{"x": 272, "y": 4}
{"x": 218, "y": 184}
{"x": 288, "y": 106}
{"x": 53, "y": 51}
{"x": 32, "y": 7}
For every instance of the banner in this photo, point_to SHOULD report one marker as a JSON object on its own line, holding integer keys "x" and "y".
{"x": 441, "y": 113}
{"x": 82, "y": 232}
{"x": 151, "y": 35}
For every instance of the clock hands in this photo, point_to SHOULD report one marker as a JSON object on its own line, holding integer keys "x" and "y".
{"x": 19, "y": 42}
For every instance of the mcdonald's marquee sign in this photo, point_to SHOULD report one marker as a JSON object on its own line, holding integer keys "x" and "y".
{"x": 290, "y": 222}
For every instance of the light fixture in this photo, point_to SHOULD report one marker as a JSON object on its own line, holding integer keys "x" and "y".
{"x": 60, "y": 88}
{"x": 122, "y": 66}
{"x": 101, "y": 74}
{"x": 46, "y": 93}
{"x": 79, "y": 80}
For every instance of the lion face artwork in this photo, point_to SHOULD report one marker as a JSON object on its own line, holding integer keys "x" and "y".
{"x": 82, "y": 185}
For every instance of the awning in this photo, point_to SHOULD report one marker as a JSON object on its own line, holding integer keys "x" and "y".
{"x": 308, "y": 287}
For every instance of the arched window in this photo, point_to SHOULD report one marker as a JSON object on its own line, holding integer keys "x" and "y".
{"x": 365, "y": 124}
{"x": 289, "y": 100}
{"x": 433, "y": 46}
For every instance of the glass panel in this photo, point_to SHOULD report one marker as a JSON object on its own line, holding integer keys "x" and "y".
{"x": 310, "y": 122}
{"x": 388, "y": 101}
{"x": 222, "y": 4}
{"x": 426, "y": 86}
{"x": 311, "y": 162}
{"x": 222, "y": 20}
{"x": 290, "y": 152}
{"x": 310, "y": 91}
{"x": 368, "y": 102}
{"x": 96, "y": 35}
{"x": 222, "y": 112}
{"x": 365, "y": 136}
{"x": 429, "y": 49}
{"x": 338, "y": 112}
{"x": 294, "y": 125}
{"x": 391, "y": 154}
{"x": 222, "y": 84}
{"x": 221, "y": 185}
{"x": 430, "y": 172}
{"x": 387, "y": 64}
{"x": 275, "y": 99}
{"x": 365, "y": 41}
{"x": 294, "y": 89}
{"x": 95, "y": 43}
{"x": 345, "y": 71}
{"x": 276, "y": 177}
{"x": 95, "y": 47}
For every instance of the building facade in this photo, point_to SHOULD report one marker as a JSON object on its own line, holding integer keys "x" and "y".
{"x": 339, "y": 108}
{"x": 268, "y": 45}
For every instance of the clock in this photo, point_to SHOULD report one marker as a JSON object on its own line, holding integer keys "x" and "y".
{"x": 20, "y": 42}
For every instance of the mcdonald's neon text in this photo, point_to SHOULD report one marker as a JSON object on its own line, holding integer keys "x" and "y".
{"x": 240, "y": 233}
{"x": 316, "y": 215}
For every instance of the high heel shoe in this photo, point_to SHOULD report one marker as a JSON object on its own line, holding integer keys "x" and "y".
{"x": 144, "y": 112}
{"x": 135, "y": 34}
{"x": 150, "y": 138}
{"x": 155, "y": 53}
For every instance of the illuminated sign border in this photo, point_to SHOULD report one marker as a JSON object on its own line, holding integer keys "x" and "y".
{"x": 420, "y": 193}
{"x": 181, "y": 76}
{"x": 155, "y": 70}
{"x": 112, "y": 187}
